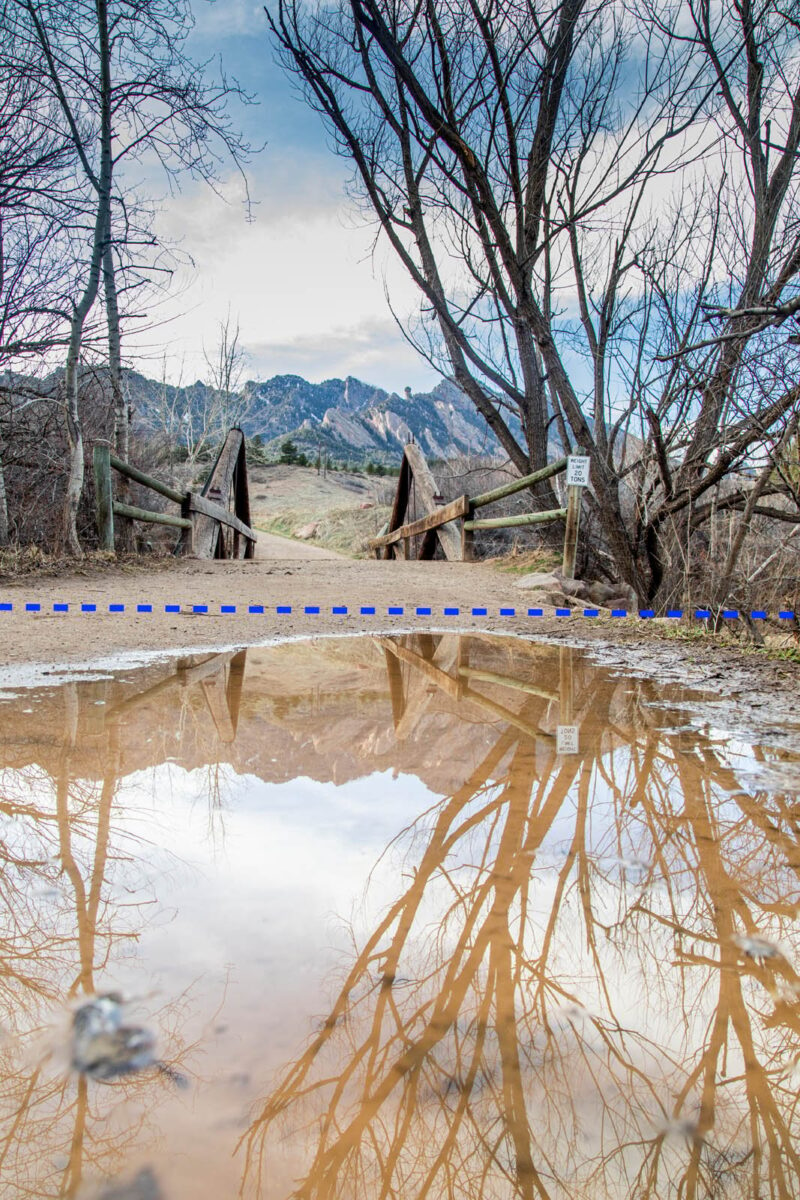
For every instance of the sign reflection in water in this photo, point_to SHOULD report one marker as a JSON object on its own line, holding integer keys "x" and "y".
{"x": 581, "y": 981}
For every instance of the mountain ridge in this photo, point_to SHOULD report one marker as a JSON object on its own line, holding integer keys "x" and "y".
{"x": 347, "y": 418}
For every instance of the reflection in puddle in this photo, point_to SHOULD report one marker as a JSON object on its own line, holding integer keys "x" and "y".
{"x": 427, "y": 916}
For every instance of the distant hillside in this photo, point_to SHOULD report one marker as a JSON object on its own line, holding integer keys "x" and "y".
{"x": 351, "y": 420}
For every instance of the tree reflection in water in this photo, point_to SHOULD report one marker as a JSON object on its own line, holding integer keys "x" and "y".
{"x": 584, "y": 984}
{"x": 558, "y": 1003}
{"x": 61, "y": 928}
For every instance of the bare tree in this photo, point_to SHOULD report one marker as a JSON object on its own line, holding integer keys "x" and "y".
{"x": 569, "y": 186}
{"x": 125, "y": 87}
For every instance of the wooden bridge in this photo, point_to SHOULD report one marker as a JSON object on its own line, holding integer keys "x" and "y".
{"x": 213, "y": 523}
{"x": 452, "y": 526}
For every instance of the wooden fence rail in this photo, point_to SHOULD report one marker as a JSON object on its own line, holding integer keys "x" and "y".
{"x": 439, "y": 523}
{"x": 209, "y": 527}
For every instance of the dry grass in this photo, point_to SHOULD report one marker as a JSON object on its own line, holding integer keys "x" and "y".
{"x": 18, "y": 564}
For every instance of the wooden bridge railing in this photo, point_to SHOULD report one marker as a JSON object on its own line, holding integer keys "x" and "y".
{"x": 214, "y": 523}
{"x": 439, "y": 523}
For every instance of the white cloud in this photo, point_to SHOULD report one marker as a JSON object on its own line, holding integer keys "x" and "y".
{"x": 301, "y": 277}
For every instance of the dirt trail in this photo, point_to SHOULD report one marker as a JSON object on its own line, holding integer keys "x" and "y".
{"x": 272, "y": 547}
{"x": 751, "y": 689}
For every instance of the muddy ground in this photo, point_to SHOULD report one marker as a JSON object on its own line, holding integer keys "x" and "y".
{"x": 748, "y": 689}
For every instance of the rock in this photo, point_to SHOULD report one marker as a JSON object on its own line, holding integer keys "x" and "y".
{"x": 102, "y": 1047}
{"x": 143, "y": 1186}
{"x": 613, "y": 595}
{"x": 308, "y": 531}
{"x": 574, "y": 587}
{"x": 540, "y": 581}
{"x": 367, "y": 504}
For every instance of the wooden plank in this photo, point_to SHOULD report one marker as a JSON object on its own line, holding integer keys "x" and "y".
{"x": 508, "y": 489}
{"x": 147, "y": 480}
{"x": 400, "y": 504}
{"x": 574, "y": 497}
{"x": 208, "y": 538}
{"x": 244, "y": 547}
{"x": 450, "y": 686}
{"x": 540, "y": 518}
{"x": 457, "y": 691}
{"x": 217, "y": 703}
{"x": 152, "y": 518}
{"x": 518, "y": 685}
{"x": 104, "y": 496}
{"x": 199, "y": 504}
{"x": 448, "y": 512}
{"x": 468, "y": 536}
{"x": 236, "y": 685}
{"x": 427, "y": 491}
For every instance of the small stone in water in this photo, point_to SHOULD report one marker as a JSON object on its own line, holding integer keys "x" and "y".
{"x": 143, "y": 1187}
{"x": 757, "y": 948}
{"x": 102, "y": 1047}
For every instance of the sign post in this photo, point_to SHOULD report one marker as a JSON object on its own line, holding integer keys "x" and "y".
{"x": 577, "y": 480}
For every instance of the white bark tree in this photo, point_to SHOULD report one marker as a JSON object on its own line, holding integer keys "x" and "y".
{"x": 125, "y": 87}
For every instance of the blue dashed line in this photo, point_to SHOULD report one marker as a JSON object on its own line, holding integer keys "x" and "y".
{"x": 367, "y": 610}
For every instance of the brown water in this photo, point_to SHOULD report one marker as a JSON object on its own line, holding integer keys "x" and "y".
{"x": 429, "y": 917}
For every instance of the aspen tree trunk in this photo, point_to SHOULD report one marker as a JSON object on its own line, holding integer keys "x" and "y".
{"x": 72, "y": 385}
{"x": 102, "y": 228}
{"x": 3, "y": 504}
{"x": 121, "y": 420}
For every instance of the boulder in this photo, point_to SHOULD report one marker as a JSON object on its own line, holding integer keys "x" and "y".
{"x": 541, "y": 581}
{"x": 575, "y": 587}
{"x": 308, "y": 531}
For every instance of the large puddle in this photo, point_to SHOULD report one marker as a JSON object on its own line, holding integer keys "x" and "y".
{"x": 414, "y": 917}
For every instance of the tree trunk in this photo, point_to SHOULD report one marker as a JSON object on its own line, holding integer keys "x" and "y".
{"x": 120, "y": 407}
{"x": 3, "y": 504}
{"x": 100, "y": 242}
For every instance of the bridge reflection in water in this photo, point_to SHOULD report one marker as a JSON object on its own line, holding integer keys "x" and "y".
{"x": 578, "y": 977}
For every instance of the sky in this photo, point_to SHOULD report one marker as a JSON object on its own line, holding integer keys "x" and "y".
{"x": 303, "y": 277}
